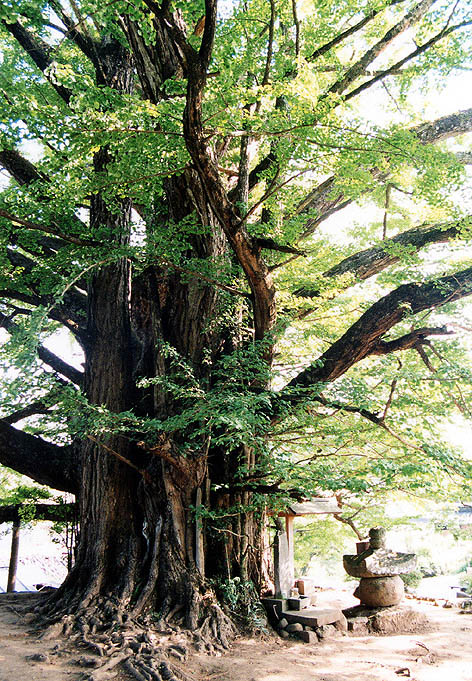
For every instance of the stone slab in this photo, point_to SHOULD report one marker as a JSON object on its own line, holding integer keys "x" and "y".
{"x": 283, "y": 565}
{"x": 313, "y": 617}
{"x": 274, "y": 607}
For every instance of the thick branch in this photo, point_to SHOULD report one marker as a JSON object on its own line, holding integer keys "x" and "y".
{"x": 341, "y": 37}
{"x": 444, "y": 128}
{"x": 271, "y": 245}
{"x": 22, "y": 170}
{"x": 70, "y": 311}
{"x": 47, "y": 464}
{"x": 74, "y": 31}
{"x": 48, "y": 357}
{"x": 39, "y": 51}
{"x": 409, "y": 340}
{"x": 47, "y": 229}
{"x": 233, "y": 226}
{"x": 395, "y": 68}
{"x": 52, "y": 512}
{"x": 373, "y": 260}
{"x": 364, "y": 337}
{"x": 38, "y": 407}
{"x": 360, "y": 67}
{"x": 326, "y": 199}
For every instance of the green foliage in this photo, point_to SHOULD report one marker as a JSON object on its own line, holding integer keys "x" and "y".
{"x": 243, "y": 603}
{"x": 466, "y": 582}
{"x": 412, "y": 579}
{"x": 226, "y": 402}
{"x": 25, "y": 495}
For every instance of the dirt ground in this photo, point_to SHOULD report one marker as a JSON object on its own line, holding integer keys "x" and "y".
{"x": 441, "y": 652}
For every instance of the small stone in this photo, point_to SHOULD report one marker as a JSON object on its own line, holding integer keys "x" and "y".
{"x": 38, "y": 657}
{"x": 308, "y": 636}
{"x": 358, "y": 625}
{"x": 91, "y": 662}
{"x": 326, "y": 631}
{"x": 308, "y": 628}
{"x": 341, "y": 623}
{"x": 282, "y": 624}
{"x": 292, "y": 628}
{"x": 283, "y": 633}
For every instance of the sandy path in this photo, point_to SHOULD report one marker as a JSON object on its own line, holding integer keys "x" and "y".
{"x": 441, "y": 653}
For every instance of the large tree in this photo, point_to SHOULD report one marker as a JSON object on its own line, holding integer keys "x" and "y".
{"x": 172, "y": 173}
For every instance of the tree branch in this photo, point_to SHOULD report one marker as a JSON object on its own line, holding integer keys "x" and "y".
{"x": 84, "y": 42}
{"x": 340, "y": 37}
{"x": 257, "y": 274}
{"x": 46, "y": 356}
{"x": 409, "y": 340}
{"x": 409, "y": 57}
{"x": 365, "y": 264}
{"x": 364, "y": 337}
{"x": 326, "y": 199}
{"x": 46, "y": 229}
{"x": 22, "y": 170}
{"x": 47, "y": 464}
{"x": 70, "y": 311}
{"x": 360, "y": 67}
{"x": 38, "y": 407}
{"x": 52, "y": 512}
{"x": 39, "y": 52}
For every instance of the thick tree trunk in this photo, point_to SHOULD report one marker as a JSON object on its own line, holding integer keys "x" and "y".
{"x": 142, "y": 546}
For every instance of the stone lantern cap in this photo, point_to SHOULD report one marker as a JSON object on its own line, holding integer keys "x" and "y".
{"x": 377, "y": 560}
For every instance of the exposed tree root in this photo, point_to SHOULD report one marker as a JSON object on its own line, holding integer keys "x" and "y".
{"x": 147, "y": 649}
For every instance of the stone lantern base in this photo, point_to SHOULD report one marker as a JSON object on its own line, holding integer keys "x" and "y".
{"x": 378, "y": 592}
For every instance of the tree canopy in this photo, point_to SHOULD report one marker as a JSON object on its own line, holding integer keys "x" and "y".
{"x": 257, "y": 233}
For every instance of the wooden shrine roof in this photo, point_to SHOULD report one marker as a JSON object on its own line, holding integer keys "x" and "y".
{"x": 313, "y": 506}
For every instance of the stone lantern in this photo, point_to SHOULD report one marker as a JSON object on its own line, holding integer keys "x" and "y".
{"x": 379, "y": 570}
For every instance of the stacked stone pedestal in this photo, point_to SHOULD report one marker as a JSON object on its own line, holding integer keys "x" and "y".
{"x": 379, "y": 570}
{"x": 379, "y": 592}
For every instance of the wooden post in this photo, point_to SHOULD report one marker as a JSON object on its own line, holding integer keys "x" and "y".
{"x": 15, "y": 543}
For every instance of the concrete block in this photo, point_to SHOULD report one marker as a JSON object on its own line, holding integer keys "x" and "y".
{"x": 305, "y": 587}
